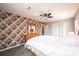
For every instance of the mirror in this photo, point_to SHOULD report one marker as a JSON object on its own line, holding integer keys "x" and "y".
{"x": 31, "y": 28}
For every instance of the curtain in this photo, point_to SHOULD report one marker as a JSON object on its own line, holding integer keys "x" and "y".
{"x": 63, "y": 28}
{"x": 59, "y": 28}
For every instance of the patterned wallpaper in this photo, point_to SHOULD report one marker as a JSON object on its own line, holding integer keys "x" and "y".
{"x": 13, "y": 27}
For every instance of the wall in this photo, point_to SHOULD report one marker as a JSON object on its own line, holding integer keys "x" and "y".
{"x": 60, "y": 28}
{"x": 13, "y": 27}
{"x": 77, "y": 22}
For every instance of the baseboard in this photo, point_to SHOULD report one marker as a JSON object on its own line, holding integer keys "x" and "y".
{"x": 11, "y": 47}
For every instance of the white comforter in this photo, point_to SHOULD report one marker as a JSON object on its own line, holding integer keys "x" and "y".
{"x": 55, "y": 46}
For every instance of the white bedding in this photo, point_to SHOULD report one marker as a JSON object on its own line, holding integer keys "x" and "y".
{"x": 55, "y": 46}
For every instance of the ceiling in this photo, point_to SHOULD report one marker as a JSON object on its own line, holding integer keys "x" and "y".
{"x": 60, "y": 11}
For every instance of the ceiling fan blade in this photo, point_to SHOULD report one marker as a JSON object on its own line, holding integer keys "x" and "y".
{"x": 49, "y": 14}
{"x": 50, "y": 17}
{"x": 41, "y": 15}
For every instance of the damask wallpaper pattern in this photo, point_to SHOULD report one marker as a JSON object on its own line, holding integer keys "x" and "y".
{"x": 13, "y": 27}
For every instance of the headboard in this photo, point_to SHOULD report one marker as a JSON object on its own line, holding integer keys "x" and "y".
{"x": 30, "y": 35}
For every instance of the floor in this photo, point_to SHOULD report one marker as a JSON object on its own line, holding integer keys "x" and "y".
{"x": 18, "y": 51}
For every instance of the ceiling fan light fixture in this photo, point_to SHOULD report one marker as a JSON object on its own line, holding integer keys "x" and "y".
{"x": 45, "y": 15}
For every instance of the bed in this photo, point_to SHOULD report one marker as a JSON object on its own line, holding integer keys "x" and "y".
{"x": 45, "y": 45}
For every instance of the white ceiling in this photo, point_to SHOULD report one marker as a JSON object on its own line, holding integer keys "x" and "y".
{"x": 60, "y": 11}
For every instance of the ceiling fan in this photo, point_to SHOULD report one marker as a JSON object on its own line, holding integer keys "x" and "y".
{"x": 45, "y": 15}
